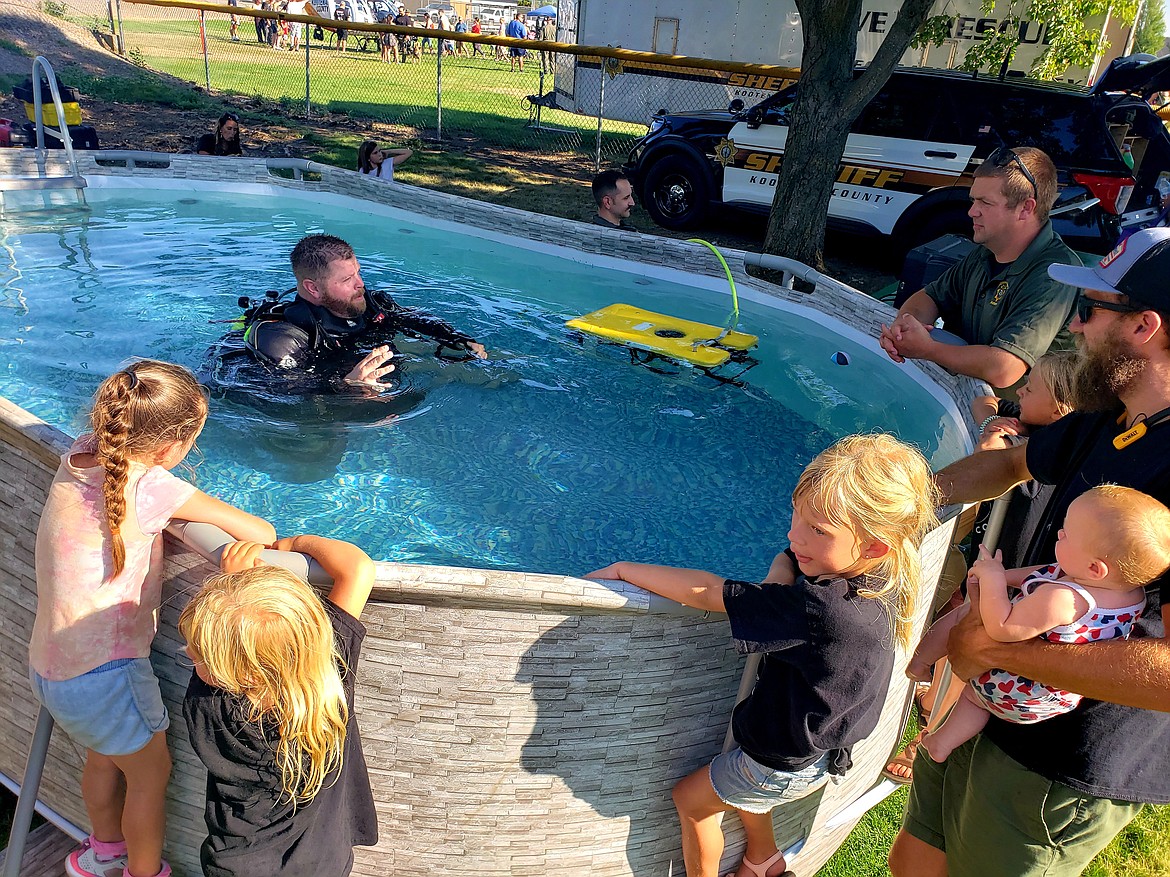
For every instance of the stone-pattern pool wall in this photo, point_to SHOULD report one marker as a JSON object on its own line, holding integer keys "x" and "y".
{"x": 514, "y": 724}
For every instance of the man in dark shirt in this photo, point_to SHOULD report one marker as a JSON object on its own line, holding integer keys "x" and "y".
{"x": 615, "y": 199}
{"x": 341, "y": 14}
{"x": 334, "y": 318}
{"x": 1045, "y": 798}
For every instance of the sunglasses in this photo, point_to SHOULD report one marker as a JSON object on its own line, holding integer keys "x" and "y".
{"x": 1003, "y": 157}
{"x": 1086, "y": 306}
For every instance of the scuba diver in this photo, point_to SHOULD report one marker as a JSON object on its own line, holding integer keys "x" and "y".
{"x": 313, "y": 343}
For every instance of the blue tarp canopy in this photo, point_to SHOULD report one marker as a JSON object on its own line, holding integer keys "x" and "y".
{"x": 544, "y": 12}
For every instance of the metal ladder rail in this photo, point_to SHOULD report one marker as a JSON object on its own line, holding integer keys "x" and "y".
{"x": 42, "y": 67}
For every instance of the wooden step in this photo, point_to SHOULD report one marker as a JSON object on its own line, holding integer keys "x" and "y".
{"x": 45, "y": 851}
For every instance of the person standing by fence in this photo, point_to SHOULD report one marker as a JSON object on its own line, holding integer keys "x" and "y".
{"x": 461, "y": 47}
{"x": 517, "y": 31}
{"x": 295, "y": 28}
{"x": 234, "y": 22}
{"x": 546, "y": 30}
{"x": 476, "y": 28}
{"x": 262, "y": 23}
{"x": 341, "y": 14}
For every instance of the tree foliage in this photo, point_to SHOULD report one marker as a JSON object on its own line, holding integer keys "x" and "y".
{"x": 1151, "y": 29}
{"x": 1072, "y": 41}
{"x": 828, "y": 103}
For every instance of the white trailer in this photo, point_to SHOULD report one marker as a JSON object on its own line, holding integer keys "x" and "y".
{"x": 748, "y": 31}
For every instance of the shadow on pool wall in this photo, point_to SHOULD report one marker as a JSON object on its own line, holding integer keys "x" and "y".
{"x": 513, "y": 723}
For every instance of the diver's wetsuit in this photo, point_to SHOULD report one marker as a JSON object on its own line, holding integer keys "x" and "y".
{"x": 314, "y": 349}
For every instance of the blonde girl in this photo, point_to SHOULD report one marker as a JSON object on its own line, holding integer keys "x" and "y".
{"x": 269, "y": 712}
{"x": 99, "y": 579}
{"x": 826, "y": 621}
{"x": 374, "y": 161}
{"x": 1045, "y": 397}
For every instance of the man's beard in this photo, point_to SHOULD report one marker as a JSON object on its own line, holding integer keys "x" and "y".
{"x": 1105, "y": 373}
{"x": 349, "y": 310}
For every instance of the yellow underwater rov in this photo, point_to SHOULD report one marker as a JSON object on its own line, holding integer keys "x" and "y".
{"x": 697, "y": 344}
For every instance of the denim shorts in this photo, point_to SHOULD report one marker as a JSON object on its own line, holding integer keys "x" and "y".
{"x": 743, "y": 783}
{"x": 113, "y": 709}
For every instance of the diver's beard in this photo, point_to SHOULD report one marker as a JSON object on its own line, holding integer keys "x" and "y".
{"x": 349, "y": 310}
{"x": 1104, "y": 375}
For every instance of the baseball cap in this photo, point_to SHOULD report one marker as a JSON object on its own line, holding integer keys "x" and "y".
{"x": 1138, "y": 267}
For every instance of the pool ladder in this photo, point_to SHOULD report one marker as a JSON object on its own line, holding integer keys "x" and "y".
{"x": 72, "y": 181}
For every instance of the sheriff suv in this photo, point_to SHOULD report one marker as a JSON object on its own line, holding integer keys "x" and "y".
{"x": 909, "y": 160}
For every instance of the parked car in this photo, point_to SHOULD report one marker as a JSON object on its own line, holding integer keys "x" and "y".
{"x": 909, "y": 159}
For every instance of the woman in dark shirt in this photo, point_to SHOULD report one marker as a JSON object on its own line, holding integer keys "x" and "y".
{"x": 225, "y": 140}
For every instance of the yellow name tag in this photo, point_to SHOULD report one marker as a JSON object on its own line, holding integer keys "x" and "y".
{"x": 1130, "y": 435}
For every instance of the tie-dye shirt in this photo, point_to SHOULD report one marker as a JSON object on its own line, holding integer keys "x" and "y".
{"x": 83, "y": 620}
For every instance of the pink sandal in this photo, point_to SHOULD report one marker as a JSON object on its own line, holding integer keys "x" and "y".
{"x": 761, "y": 870}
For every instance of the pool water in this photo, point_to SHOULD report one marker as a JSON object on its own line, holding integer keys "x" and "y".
{"x": 556, "y": 455}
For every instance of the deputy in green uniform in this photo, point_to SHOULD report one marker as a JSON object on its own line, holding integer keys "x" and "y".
{"x": 999, "y": 298}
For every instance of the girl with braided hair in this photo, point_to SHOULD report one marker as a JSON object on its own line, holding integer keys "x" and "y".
{"x": 99, "y": 582}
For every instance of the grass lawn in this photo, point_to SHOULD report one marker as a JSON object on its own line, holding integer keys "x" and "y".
{"x": 481, "y": 98}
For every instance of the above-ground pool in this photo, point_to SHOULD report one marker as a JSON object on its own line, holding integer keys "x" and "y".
{"x": 516, "y": 721}
{"x": 556, "y": 454}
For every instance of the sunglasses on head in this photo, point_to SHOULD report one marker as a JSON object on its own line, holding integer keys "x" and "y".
{"x": 1086, "y": 306}
{"x": 1003, "y": 157}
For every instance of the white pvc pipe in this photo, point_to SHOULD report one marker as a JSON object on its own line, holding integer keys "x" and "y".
{"x": 209, "y": 541}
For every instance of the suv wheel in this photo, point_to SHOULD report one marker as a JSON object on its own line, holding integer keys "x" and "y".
{"x": 677, "y": 192}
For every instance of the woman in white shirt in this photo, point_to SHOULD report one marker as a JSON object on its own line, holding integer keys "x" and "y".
{"x": 375, "y": 161}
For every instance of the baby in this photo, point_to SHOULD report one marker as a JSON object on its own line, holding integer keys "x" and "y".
{"x": 1115, "y": 540}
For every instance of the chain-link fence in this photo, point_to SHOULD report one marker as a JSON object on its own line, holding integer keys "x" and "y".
{"x": 467, "y": 89}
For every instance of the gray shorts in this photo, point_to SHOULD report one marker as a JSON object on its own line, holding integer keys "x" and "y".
{"x": 743, "y": 783}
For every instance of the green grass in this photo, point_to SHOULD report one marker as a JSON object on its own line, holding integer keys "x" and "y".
{"x": 481, "y": 98}
{"x": 15, "y": 48}
{"x": 141, "y": 89}
{"x": 537, "y": 191}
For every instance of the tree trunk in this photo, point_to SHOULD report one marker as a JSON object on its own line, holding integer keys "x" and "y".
{"x": 812, "y": 153}
{"x": 830, "y": 99}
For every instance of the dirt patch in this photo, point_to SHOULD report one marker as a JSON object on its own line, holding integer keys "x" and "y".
{"x": 71, "y": 47}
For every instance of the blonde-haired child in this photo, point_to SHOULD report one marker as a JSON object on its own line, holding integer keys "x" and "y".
{"x": 99, "y": 583}
{"x": 826, "y": 620}
{"x": 270, "y": 713}
{"x": 1115, "y": 541}
{"x": 1046, "y": 396}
